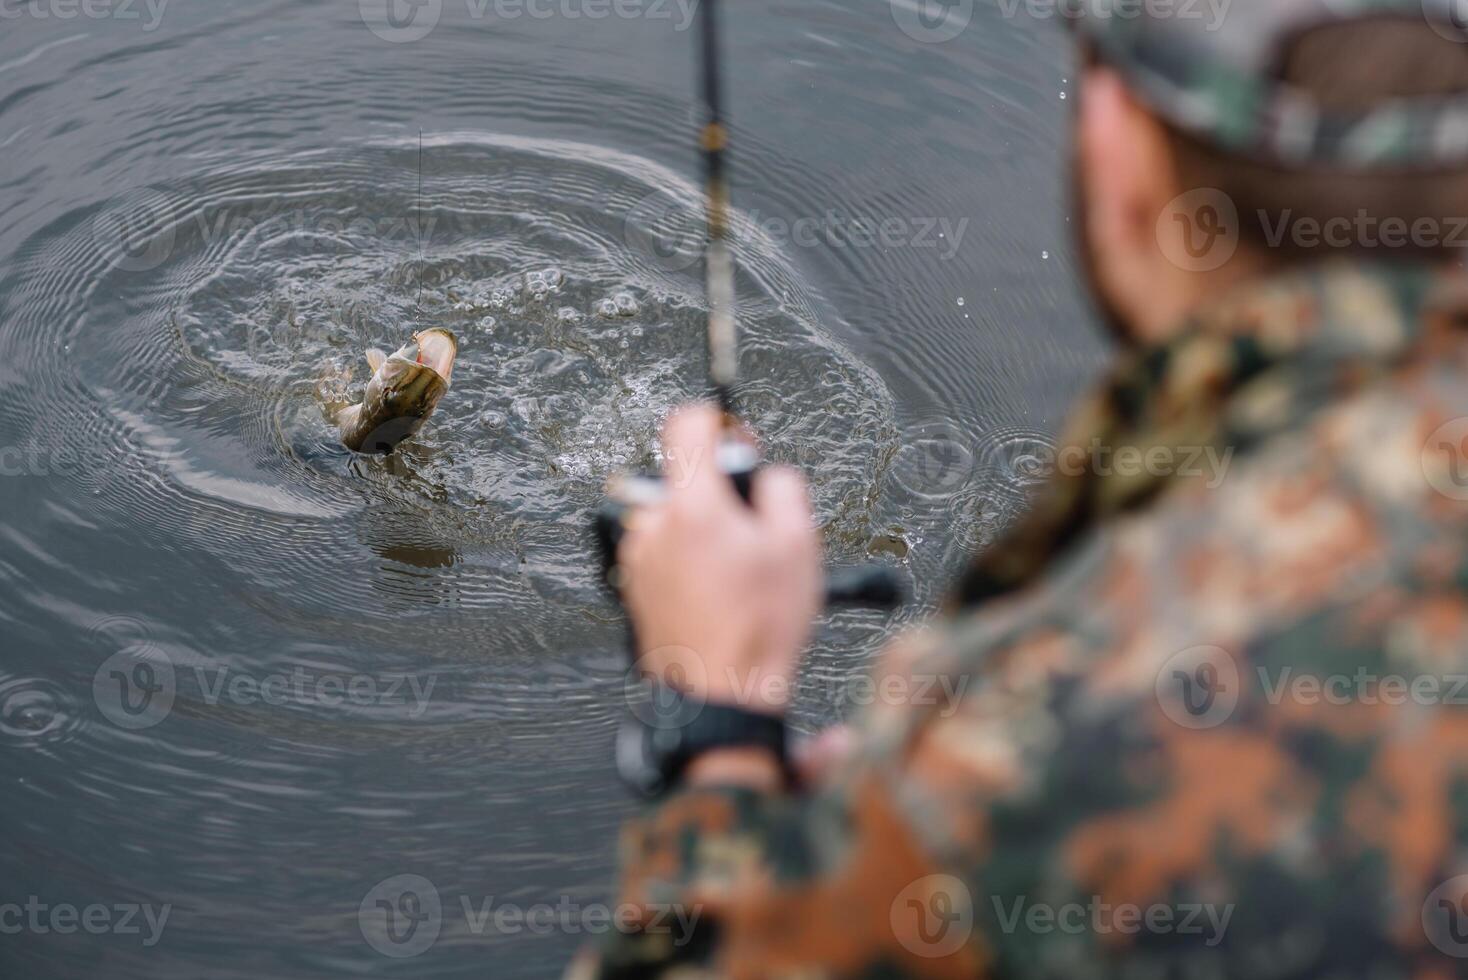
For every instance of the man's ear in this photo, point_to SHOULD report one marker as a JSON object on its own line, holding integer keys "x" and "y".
{"x": 1126, "y": 168}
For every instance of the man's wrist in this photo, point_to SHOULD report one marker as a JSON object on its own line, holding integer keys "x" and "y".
{"x": 748, "y": 767}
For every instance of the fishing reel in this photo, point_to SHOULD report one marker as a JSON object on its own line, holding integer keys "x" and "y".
{"x": 869, "y": 586}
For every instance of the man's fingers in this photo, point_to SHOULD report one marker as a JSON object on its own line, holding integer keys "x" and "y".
{"x": 818, "y": 758}
{"x": 783, "y": 503}
{"x": 639, "y": 526}
{"x": 690, "y": 453}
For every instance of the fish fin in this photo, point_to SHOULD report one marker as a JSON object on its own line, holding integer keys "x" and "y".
{"x": 375, "y": 359}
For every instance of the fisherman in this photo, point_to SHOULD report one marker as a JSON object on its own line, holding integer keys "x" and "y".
{"x": 1173, "y": 725}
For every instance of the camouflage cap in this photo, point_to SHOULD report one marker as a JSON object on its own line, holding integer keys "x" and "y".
{"x": 1213, "y": 72}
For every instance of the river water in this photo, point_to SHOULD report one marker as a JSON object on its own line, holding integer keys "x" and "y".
{"x": 252, "y": 686}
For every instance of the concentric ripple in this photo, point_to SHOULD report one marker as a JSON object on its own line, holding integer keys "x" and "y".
{"x": 34, "y": 712}
{"x": 570, "y": 275}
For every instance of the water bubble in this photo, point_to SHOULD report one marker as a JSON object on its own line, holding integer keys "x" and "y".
{"x": 1062, "y": 96}
{"x": 488, "y": 323}
{"x": 960, "y": 301}
{"x": 626, "y": 304}
{"x": 500, "y": 298}
{"x": 568, "y": 314}
{"x": 1045, "y": 254}
{"x": 35, "y": 711}
{"x": 606, "y": 308}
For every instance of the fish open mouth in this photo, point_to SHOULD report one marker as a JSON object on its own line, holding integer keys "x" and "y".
{"x": 437, "y": 349}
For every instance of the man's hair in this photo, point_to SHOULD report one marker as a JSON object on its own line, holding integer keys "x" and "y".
{"x": 1347, "y": 66}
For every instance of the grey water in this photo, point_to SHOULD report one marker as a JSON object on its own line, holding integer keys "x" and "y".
{"x": 252, "y": 686}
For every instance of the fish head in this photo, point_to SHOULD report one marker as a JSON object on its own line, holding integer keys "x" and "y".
{"x": 405, "y": 388}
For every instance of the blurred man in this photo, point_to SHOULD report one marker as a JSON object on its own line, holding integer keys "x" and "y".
{"x": 1201, "y": 712}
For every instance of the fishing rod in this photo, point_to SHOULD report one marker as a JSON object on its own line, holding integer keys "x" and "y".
{"x": 871, "y": 585}
{"x": 723, "y": 337}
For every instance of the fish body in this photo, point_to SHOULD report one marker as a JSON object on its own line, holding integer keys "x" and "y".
{"x": 404, "y": 389}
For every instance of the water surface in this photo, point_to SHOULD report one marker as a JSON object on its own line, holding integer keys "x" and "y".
{"x": 364, "y": 669}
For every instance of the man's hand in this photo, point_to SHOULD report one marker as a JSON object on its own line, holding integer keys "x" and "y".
{"x": 721, "y": 594}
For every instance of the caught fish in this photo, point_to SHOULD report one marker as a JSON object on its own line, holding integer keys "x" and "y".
{"x": 403, "y": 391}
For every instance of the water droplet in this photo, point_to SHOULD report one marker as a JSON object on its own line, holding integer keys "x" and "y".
{"x": 1045, "y": 254}
{"x": 960, "y": 301}
{"x": 1062, "y": 96}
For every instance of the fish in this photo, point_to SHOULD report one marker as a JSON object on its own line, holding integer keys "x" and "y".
{"x": 405, "y": 387}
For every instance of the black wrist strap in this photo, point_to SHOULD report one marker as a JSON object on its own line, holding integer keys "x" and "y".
{"x": 710, "y": 727}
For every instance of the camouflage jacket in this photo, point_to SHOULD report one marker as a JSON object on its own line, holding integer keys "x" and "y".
{"x": 1213, "y": 720}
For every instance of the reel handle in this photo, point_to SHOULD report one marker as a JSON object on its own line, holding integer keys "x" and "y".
{"x": 869, "y": 586}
